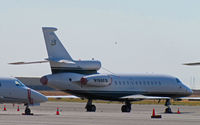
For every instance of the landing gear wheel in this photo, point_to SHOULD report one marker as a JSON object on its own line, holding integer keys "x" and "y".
{"x": 168, "y": 110}
{"x": 27, "y": 111}
{"x": 91, "y": 108}
{"x": 125, "y": 108}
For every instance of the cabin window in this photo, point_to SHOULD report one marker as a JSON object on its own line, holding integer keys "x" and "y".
{"x": 0, "y": 84}
{"x": 119, "y": 83}
{"x": 127, "y": 82}
{"x": 115, "y": 82}
{"x": 17, "y": 83}
{"x": 131, "y": 82}
{"x": 123, "y": 82}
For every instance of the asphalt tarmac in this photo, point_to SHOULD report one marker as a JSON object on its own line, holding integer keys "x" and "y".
{"x": 73, "y": 113}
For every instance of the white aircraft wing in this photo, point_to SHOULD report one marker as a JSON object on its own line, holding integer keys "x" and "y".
{"x": 190, "y": 98}
{"x": 142, "y": 97}
{"x": 60, "y": 97}
{"x": 135, "y": 97}
{"x": 192, "y": 64}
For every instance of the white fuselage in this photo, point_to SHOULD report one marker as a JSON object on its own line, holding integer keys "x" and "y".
{"x": 14, "y": 91}
{"x": 118, "y": 85}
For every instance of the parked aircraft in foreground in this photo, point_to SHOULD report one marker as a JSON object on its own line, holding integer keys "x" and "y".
{"x": 14, "y": 91}
{"x": 81, "y": 78}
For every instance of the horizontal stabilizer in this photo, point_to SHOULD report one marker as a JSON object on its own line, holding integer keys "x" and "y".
{"x": 44, "y": 61}
{"x": 22, "y": 63}
{"x": 192, "y": 64}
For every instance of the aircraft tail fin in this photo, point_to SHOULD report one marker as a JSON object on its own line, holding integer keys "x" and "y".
{"x": 60, "y": 60}
{"x": 54, "y": 47}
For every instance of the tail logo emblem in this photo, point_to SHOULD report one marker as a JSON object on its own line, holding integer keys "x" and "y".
{"x": 53, "y": 42}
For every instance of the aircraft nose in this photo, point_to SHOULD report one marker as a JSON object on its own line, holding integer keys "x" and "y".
{"x": 190, "y": 92}
{"x": 38, "y": 97}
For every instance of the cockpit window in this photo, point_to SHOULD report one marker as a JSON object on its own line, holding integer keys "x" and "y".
{"x": 178, "y": 81}
{"x": 19, "y": 83}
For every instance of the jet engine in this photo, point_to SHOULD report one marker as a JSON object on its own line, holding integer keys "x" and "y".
{"x": 97, "y": 80}
{"x": 60, "y": 80}
{"x": 89, "y": 65}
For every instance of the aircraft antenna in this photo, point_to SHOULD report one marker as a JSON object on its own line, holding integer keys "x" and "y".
{"x": 107, "y": 70}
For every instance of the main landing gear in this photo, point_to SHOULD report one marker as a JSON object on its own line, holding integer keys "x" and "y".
{"x": 90, "y": 107}
{"x": 126, "y": 107}
{"x": 168, "y": 109}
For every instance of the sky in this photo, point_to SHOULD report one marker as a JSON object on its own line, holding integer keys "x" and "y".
{"x": 127, "y": 36}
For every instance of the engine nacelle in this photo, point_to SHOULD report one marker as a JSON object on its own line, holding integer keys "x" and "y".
{"x": 77, "y": 65}
{"x": 88, "y": 65}
{"x": 61, "y": 80}
{"x": 97, "y": 80}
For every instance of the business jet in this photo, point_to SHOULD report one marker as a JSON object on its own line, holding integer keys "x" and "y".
{"x": 82, "y": 79}
{"x": 14, "y": 91}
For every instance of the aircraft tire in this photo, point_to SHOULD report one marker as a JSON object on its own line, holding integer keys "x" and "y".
{"x": 168, "y": 110}
{"x": 27, "y": 111}
{"x": 91, "y": 108}
{"x": 125, "y": 108}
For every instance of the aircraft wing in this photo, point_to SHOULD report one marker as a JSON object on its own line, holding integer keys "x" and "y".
{"x": 192, "y": 64}
{"x": 190, "y": 98}
{"x": 131, "y": 97}
{"x": 142, "y": 97}
{"x": 136, "y": 98}
{"x": 60, "y": 97}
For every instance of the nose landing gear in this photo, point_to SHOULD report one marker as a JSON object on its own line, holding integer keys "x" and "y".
{"x": 168, "y": 109}
{"x": 27, "y": 110}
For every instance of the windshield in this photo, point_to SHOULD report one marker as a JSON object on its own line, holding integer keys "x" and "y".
{"x": 19, "y": 83}
{"x": 178, "y": 81}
